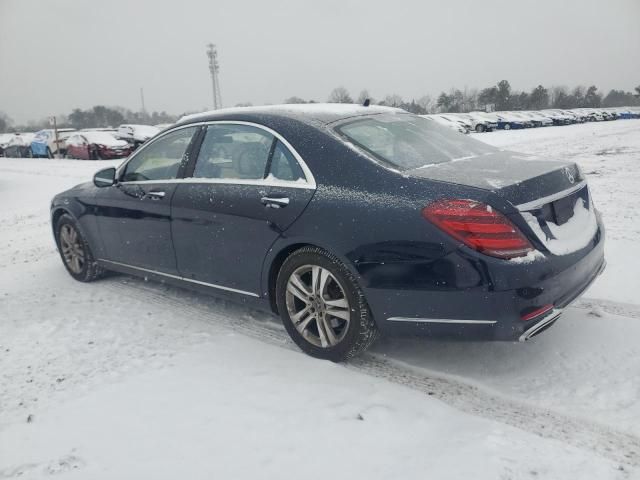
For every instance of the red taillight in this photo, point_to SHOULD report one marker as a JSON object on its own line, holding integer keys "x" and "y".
{"x": 478, "y": 226}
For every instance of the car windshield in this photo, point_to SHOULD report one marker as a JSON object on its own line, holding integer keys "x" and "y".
{"x": 407, "y": 142}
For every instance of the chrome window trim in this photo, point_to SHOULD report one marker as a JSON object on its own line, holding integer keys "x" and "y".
{"x": 441, "y": 320}
{"x": 145, "y": 145}
{"x": 538, "y": 203}
{"x": 310, "y": 182}
{"x": 265, "y": 182}
{"x": 177, "y": 277}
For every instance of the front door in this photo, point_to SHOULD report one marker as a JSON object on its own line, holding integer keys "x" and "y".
{"x": 244, "y": 189}
{"x": 134, "y": 214}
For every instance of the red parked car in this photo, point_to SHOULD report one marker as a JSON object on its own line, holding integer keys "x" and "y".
{"x": 96, "y": 146}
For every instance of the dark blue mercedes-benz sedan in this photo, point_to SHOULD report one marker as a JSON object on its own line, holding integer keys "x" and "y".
{"x": 346, "y": 221}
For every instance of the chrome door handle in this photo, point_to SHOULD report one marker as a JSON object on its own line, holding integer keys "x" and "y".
{"x": 275, "y": 202}
{"x": 155, "y": 195}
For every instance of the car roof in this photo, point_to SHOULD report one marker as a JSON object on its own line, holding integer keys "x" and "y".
{"x": 315, "y": 113}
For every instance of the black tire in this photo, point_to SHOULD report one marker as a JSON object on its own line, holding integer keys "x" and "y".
{"x": 480, "y": 128}
{"x": 90, "y": 270}
{"x": 361, "y": 331}
{"x": 49, "y": 153}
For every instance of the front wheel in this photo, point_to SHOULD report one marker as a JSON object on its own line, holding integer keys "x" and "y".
{"x": 75, "y": 252}
{"x": 480, "y": 128}
{"x": 507, "y": 126}
{"x": 322, "y": 307}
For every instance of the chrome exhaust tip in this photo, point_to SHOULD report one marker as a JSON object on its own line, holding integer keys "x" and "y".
{"x": 541, "y": 326}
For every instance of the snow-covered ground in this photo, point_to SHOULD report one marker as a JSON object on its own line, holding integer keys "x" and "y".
{"x": 130, "y": 379}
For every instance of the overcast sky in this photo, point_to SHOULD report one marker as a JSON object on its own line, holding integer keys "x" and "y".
{"x": 56, "y": 55}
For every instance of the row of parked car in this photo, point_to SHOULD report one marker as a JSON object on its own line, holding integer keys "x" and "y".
{"x": 489, "y": 121}
{"x": 86, "y": 144}
{"x": 107, "y": 143}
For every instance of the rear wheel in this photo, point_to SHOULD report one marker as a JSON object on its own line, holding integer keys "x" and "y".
{"x": 322, "y": 307}
{"x": 480, "y": 128}
{"x": 75, "y": 252}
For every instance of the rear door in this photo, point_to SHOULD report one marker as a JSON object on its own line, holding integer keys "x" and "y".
{"x": 134, "y": 214}
{"x": 246, "y": 187}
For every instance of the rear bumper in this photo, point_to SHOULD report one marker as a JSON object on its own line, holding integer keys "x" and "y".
{"x": 487, "y": 311}
{"x": 108, "y": 154}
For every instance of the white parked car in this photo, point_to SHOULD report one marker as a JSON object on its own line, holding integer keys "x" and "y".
{"x": 5, "y": 138}
{"x": 478, "y": 122}
{"x": 19, "y": 145}
{"x": 538, "y": 119}
{"x": 136, "y": 135}
{"x": 449, "y": 122}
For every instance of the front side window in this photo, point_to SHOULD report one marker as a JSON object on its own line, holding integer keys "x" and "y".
{"x": 161, "y": 159}
{"x": 237, "y": 152}
{"x": 409, "y": 141}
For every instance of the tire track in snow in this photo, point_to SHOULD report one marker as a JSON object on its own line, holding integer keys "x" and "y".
{"x": 607, "y": 442}
{"x": 620, "y": 447}
{"x": 614, "y": 308}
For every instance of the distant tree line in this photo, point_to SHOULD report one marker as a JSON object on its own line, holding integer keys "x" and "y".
{"x": 98, "y": 116}
{"x": 503, "y": 97}
{"x": 499, "y": 97}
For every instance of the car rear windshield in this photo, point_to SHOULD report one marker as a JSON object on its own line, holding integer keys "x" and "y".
{"x": 407, "y": 141}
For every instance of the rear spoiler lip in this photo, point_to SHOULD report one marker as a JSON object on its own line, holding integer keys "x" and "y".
{"x": 538, "y": 203}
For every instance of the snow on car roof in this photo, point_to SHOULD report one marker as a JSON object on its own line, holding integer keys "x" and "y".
{"x": 325, "y": 112}
{"x": 104, "y": 138}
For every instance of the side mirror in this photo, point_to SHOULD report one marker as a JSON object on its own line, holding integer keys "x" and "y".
{"x": 105, "y": 178}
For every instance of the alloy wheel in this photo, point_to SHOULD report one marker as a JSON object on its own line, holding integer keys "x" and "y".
{"x": 72, "y": 248}
{"x": 318, "y": 306}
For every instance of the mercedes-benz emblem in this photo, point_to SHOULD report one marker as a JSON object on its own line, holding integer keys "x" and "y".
{"x": 569, "y": 174}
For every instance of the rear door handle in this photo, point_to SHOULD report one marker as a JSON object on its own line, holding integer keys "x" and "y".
{"x": 275, "y": 202}
{"x": 155, "y": 195}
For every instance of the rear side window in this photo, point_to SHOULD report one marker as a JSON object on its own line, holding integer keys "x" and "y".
{"x": 409, "y": 141}
{"x": 284, "y": 166}
{"x": 161, "y": 159}
{"x": 238, "y": 152}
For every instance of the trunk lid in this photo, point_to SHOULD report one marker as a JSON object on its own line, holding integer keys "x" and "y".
{"x": 551, "y": 197}
{"x": 516, "y": 177}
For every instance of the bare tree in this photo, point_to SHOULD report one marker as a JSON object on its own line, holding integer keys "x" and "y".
{"x": 394, "y": 100}
{"x": 294, "y": 99}
{"x": 340, "y": 95}
{"x": 427, "y": 103}
{"x": 364, "y": 94}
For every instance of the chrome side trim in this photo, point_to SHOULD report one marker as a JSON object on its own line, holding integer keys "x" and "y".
{"x": 525, "y": 207}
{"x": 552, "y": 316}
{"x": 177, "y": 277}
{"x": 310, "y": 179}
{"x": 440, "y": 320}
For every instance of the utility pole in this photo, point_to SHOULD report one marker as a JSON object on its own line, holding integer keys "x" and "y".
{"x": 214, "y": 68}
{"x": 142, "y": 99}
{"x": 53, "y": 122}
